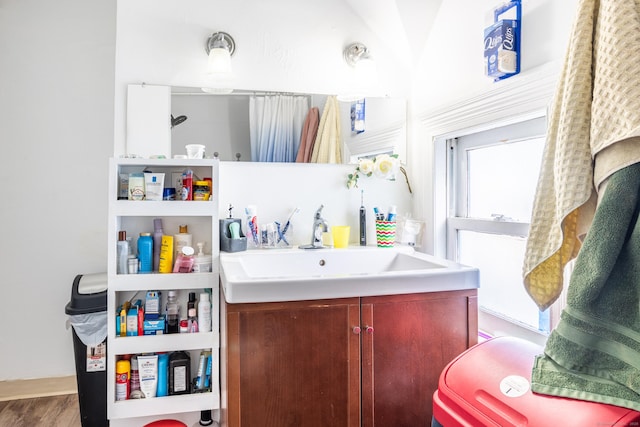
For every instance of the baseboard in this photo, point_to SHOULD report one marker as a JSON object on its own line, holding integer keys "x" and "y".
{"x": 39, "y": 387}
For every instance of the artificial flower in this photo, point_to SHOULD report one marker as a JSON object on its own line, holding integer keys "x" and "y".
{"x": 386, "y": 166}
{"x": 383, "y": 166}
{"x": 366, "y": 166}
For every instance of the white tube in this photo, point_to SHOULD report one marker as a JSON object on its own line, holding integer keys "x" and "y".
{"x": 148, "y": 370}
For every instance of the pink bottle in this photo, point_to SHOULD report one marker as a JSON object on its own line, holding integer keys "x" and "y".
{"x": 184, "y": 263}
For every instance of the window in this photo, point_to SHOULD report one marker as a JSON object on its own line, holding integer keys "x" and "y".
{"x": 491, "y": 182}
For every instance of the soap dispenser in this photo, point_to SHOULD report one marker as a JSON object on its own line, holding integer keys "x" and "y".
{"x": 202, "y": 261}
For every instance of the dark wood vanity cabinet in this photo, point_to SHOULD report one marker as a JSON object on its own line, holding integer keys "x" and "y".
{"x": 370, "y": 361}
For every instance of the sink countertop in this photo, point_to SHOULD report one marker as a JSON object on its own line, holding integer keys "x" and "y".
{"x": 293, "y": 274}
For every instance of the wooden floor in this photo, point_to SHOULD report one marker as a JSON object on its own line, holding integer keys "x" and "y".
{"x": 51, "y": 411}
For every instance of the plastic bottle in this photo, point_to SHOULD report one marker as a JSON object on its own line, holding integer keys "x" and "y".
{"x": 157, "y": 242}
{"x": 179, "y": 373}
{"x": 204, "y": 313}
{"x": 202, "y": 261}
{"x": 145, "y": 253}
{"x": 135, "y": 375}
{"x": 123, "y": 373}
{"x": 183, "y": 238}
{"x": 172, "y": 311}
{"x": 122, "y": 253}
{"x": 184, "y": 262}
{"x": 163, "y": 375}
{"x": 192, "y": 316}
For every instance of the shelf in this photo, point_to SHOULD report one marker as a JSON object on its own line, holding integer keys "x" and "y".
{"x": 163, "y": 282}
{"x": 170, "y": 163}
{"x": 164, "y": 343}
{"x": 134, "y": 217}
{"x": 163, "y": 208}
{"x": 164, "y": 405}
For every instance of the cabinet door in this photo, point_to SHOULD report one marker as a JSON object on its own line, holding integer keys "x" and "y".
{"x": 294, "y": 364}
{"x": 412, "y": 340}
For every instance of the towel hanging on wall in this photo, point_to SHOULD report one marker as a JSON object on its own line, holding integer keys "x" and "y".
{"x": 593, "y": 131}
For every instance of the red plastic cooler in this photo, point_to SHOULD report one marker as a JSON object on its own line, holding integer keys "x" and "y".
{"x": 489, "y": 385}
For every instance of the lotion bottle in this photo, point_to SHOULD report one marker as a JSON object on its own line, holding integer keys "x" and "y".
{"x": 183, "y": 238}
{"x": 157, "y": 242}
{"x": 204, "y": 313}
{"x": 123, "y": 253}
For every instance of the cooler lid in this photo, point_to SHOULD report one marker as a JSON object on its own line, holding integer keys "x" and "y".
{"x": 88, "y": 294}
{"x": 492, "y": 381}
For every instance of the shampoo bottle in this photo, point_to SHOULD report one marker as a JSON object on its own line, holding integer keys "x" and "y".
{"x": 183, "y": 238}
{"x": 204, "y": 313}
{"x": 123, "y": 253}
{"x": 157, "y": 242}
{"x": 163, "y": 375}
{"x": 145, "y": 253}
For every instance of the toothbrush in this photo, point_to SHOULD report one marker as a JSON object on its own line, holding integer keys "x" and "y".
{"x": 363, "y": 221}
{"x": 286, "y": 224}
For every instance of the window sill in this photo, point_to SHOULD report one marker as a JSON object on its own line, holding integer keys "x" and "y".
{"x": 493, "y": 325}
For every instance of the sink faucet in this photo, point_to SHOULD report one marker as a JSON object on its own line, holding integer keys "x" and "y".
{"x": 319, "y": 226}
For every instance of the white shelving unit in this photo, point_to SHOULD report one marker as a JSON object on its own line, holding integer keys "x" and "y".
{"x": 135, "y": 217}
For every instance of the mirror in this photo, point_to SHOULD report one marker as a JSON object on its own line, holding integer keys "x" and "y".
{"x": 221, "y": 123}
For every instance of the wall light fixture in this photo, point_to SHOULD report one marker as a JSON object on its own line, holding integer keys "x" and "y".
{"x": 220, "y": 47}
{"x": 364, "y": 75}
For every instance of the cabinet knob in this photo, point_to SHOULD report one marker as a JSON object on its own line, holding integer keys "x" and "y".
{"x": 356, "y": 330}
{"x": 369, "y": 329}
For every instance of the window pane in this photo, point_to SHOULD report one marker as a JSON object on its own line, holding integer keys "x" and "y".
{"x": 502, "y": 179}
{"x": 499, "y": 259}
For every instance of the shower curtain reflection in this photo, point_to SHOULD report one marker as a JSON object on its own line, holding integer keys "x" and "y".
{"x": 276, "y": 123}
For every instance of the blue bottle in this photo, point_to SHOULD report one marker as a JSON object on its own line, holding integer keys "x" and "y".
{"x": 163, "y": 375}
{"x": 145, "y": 253}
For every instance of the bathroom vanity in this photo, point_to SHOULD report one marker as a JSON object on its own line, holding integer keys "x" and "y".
{"x": 349, "y": 361}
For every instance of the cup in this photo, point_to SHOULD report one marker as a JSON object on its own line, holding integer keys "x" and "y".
{"x": 385, "y": 233}
{"x": 195, "y": 151}
{"x": 340, "y": 234}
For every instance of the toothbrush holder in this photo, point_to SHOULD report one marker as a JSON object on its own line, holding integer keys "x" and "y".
{"x": 227, "y": 244}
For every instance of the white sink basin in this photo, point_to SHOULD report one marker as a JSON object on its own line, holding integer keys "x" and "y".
{"x": 295, "y": 274}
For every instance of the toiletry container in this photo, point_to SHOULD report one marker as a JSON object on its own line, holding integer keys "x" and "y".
{"x": 204, "y": 313}
{"x": 202, "y": 262}
{"x": 123, "y": 373}
{"x": 145, "y": 253}
{"x": 192, "y": 313}
{"x": 184, "y": 263}
{"x": 172, "y": 314}
{"x": 232, "y": 239}
{"x": 122, "y": 253}
{"x": 179, "y": 373}
{"x": 183, "y": 238}
{"x": 157, "y": 242}
{"x": 163, "y": 375}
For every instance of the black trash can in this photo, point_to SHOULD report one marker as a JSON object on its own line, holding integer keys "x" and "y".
{"x": 88, "y": 303}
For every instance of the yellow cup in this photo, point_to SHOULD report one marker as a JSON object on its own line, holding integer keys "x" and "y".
{"x": 340, "y": 234}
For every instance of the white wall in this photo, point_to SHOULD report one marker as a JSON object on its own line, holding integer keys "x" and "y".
{"x": 56, "y": 131}
{"x": 450, "y": 72}
{"x": 61, "y": 113}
